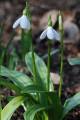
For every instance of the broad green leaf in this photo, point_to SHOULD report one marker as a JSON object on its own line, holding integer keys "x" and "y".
{"x": 9, "y": 85}
{"x": 0, "y": 111}
{"x": 53, "y": 106}
{"x": 41, "y": 74}
{"x": 33, "y": 110}
{"x": 39, "y": 92}
{"x": 74, "y": 61}
{"x": 10, "y": 108}
{"x": 18, "y": 78}
{"x": 41, "y": 70}
{"x": 71, "y": 103}
{"x": 32, "y": 89}
{"x": 57, "y": 108}
{"x": 0, "y": 105}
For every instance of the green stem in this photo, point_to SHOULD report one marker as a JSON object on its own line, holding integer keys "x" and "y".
{"x": 48, "y": 66}
{"x": 2, "y": 58}
{"x": 61, "y": 64}
{"x": 34, "y": 65}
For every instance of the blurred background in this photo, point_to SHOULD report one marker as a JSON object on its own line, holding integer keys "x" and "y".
{"x": 10, "y": 10}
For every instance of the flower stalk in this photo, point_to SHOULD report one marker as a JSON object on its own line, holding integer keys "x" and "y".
{"x": 28, "y": 13}
{"x": 61, "y": 51}
{"x": 53, "y": 35}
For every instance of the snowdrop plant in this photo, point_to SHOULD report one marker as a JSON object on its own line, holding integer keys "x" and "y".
{"x": 51, "y": 34}
{"x": 36, "y": 94}
{"x": 24, "y": 22}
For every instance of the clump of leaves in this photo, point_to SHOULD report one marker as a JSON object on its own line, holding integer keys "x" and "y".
{"x": 38, "y": 102}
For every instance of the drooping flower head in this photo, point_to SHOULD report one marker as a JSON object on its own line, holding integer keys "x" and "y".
{"x": 23, "y": 21}
{"x": 50, "y": 32}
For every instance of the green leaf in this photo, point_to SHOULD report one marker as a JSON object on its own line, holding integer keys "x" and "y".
{"x": 33, "y": 110}
{"x": 9, "y": 85}
{"x": 32, "y": 89}
{"x": 10, "y": 108}
{"x": 71, "y": 103}
{"x": 41, "y": 70}
{"x": 0, "y": 111}
{"x": 57, "y": 108}
{"x": 53, "y": 106}
{"x": 0, "y": 105}
{"x": 19, "y": 79}
{"x": 74, "y": 61}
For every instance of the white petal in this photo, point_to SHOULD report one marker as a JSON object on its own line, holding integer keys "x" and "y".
{"x": 16, "y": 23}
{"x": 50, "y": 33}
{"x": 56, "y": 35}
{"x": 43, "y": 35}
{"x": 25, "y": 23}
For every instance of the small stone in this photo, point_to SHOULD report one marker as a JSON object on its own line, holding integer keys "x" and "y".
{"x": 71, "y": 32}
{"x": 55, "y": 78}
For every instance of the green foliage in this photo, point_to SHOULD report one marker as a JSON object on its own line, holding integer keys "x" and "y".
{"x": 19, "y": 79}
{"x": 71, "y": 103}
{"x": 74, "y": 61}
{"x": 52, "y": 105}
{"x": 41, "y": 68}
{"x": 40, "y": 104}
{"x": 10, "y": 108}
{"x": 8, "y": 84}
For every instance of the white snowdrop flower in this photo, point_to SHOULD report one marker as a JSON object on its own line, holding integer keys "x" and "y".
{"x": 50, "y": 33}
{"x": 23, "y": 22}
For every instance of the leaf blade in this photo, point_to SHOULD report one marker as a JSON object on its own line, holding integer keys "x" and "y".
{"x": 74, "y": 61}
{"x": 41, "y": 70}
{"x": 19, "y": 79}
{"x": 9, "y": 109}
{"x": 71, "y": 103}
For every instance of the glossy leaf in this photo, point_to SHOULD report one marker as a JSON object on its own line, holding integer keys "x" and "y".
{"x": 0, "y": 111}
{"x": 0, "y": 105}
{"x": 32, "y": 89}
{"x": 10, "y": 108}
{"x": 33, "y": 110}
{"x": 41, "y": 70}
{"x": 18, "y": 78}
{"x": 53, "y": 105}
{"x": 71, "y": 103}
{"x": 74, "y": 61}
{"x": 9, "y": 85}
{"x": 57, "y": 108}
